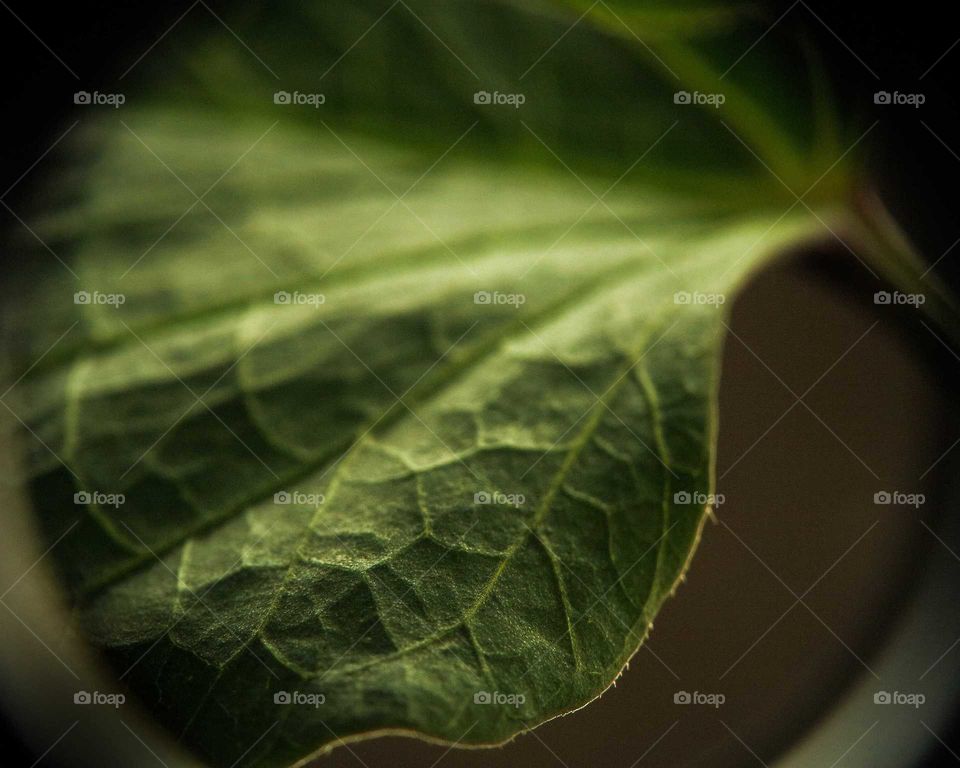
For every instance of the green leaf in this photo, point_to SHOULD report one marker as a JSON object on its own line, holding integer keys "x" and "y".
{"x": 404, "y": 400}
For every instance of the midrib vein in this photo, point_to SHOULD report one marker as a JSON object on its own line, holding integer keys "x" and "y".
{"x": 412, "y": 258}
{"x": 543, "y": 509}
{"x": 444, "y": 375}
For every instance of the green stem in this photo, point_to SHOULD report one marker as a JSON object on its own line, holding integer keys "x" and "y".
{"x": 899, "y": 262}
